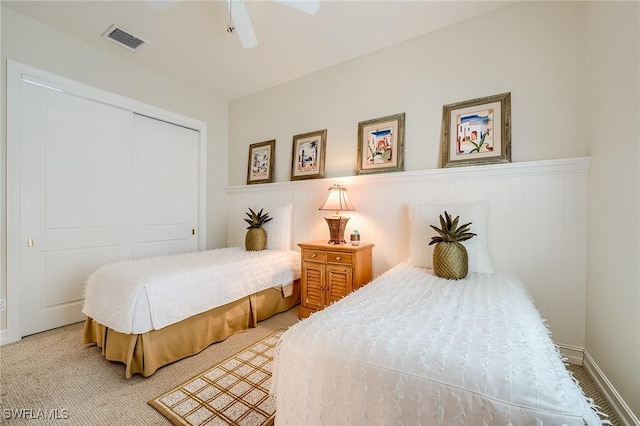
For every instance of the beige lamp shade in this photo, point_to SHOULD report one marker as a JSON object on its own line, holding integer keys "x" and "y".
{"x": 337, "y": 200}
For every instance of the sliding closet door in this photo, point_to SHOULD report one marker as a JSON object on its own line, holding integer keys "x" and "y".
{"x": 75, "y": 169}
{"x": 90, "y": 182}
{"x": 166, "y": 188}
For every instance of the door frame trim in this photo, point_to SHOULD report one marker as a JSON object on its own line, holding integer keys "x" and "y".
{"x": 18, "y": 73}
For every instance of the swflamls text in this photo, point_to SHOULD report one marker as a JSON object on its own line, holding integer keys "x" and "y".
{"x": 35, "y": 413}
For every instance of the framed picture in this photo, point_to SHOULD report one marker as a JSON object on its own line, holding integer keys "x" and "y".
{"x": 261, "y": 160}
{"x": 381, "y": 145}
{"x": 477, "y": 131}
{"x": 307, "y": 158}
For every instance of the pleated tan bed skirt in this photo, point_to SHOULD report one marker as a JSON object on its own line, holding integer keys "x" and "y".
{"x": 145, "y": 353}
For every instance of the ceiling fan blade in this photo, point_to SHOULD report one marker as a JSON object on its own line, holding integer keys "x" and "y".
{"x": 306, "y": 6}
{"x": 242, "y": 23}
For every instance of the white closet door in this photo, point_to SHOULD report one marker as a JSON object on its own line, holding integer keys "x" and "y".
{"x": 166, "y": 188}
{"x": 75, "y": 169}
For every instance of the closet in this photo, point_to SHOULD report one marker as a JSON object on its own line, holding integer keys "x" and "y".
{"x": 91, "y": 183}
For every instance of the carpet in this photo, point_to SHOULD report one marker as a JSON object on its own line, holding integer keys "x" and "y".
{"x": 234, "y": 392}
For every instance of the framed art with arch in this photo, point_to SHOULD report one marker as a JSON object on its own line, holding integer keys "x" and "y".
{"x": 477, "y": 131}
{"x": 381, "y": 145}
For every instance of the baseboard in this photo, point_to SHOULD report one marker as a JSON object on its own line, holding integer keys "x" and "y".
{"x": 573, "y": 354}
{"x": 4, "y": 337}
{"x": 619, "y": 407}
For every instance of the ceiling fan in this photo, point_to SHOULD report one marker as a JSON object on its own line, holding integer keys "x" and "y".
{"x": 239, "y": 20}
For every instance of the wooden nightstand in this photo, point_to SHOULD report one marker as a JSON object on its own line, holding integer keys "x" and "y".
{"x": 330, "y": 272}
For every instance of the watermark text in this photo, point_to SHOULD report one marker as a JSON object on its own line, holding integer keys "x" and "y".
{"x": 35, "y": 413}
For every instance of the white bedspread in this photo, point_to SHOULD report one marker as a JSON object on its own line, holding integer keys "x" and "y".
{"x": 411, "y": 348}
{"x": 148, "y": 294}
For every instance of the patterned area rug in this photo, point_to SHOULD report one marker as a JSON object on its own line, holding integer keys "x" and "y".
{"x": 234, "y": 392}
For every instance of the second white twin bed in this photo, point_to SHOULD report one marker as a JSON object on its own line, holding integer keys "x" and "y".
{"x": 411, "y": 348}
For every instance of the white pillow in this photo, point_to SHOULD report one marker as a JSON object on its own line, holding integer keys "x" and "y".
{"x": 420, "y": 233}
{"x": 279, "y": 228}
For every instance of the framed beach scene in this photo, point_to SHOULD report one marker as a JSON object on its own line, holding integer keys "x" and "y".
{"x": 307, "y": 158}
{"x": 261, "y": 160}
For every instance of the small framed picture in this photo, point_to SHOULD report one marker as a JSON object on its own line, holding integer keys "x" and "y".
{"x": 477, "y": 132}
{"x": 261, "y": 160}
{"x": 381, "y": 145}
{"x": 307, "y": 158}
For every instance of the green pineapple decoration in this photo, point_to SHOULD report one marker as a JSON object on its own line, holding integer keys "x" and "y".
{"x": 450, "y": 258}
{"x": 256, "y": 238}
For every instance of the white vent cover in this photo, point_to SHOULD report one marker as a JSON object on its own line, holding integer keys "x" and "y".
{"x": 123, "y": 37}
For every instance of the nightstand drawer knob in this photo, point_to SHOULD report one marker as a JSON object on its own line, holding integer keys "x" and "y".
{"x": 338, "y": 257}
{"x": 314, "y": 255}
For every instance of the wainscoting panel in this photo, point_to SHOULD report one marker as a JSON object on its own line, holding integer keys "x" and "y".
{"x": 537, "y": 222}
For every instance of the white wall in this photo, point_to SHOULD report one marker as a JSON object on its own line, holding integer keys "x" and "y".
{"x": 533, "y": 50}
{"x": 32, "y": 43}
{"x": 613, "y": 284}
{"x": 538, "y": 52}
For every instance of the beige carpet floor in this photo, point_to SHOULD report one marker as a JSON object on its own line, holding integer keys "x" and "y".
{"x": 53, "y": 372}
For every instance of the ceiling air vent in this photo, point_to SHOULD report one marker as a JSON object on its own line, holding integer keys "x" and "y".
{"x": 123, "y": 37}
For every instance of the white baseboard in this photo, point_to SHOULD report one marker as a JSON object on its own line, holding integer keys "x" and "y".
{"x": 619, "y": 407}
{"x": 4, "y": 337}
{"x": 574, "y": 354}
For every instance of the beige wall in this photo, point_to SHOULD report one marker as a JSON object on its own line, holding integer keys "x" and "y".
{"x": 543, "y": 53}
{"x": 613, "y": 255}
{"x": 29, "y": 42}
{"x": 533, "y": 50}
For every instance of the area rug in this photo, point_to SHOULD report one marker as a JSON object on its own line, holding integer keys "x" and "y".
{"x": 234, "y": 392}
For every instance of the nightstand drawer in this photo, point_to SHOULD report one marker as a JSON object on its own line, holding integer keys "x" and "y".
{"x": 339, "y": 257}
{"x": 314, "y": 255}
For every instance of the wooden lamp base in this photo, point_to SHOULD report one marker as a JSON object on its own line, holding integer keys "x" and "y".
{"x": 337, "y": 225}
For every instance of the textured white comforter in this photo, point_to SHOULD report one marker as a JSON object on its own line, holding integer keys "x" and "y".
{"x": 148, "y": 294}
{"x": 411, "y": 348}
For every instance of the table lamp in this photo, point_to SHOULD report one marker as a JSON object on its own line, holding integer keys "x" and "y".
{"x": 337, "y": 201}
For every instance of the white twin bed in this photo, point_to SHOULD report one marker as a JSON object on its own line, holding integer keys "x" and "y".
{"x": 147, "y": 313}
{"x": 149, "y": 294}
{"x": 411, "y": 348}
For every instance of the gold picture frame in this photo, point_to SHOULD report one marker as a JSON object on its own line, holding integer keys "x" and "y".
{"x": 477, "y": 131}
{"x": 308, "y": 154}
{"x": 381, "y": 145}
{"x": 260, "y": 164}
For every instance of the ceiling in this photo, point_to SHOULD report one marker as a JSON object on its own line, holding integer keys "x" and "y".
{"x": 189, "y": 41}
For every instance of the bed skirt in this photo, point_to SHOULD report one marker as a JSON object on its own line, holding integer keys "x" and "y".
{"x": 145, "y": 353}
